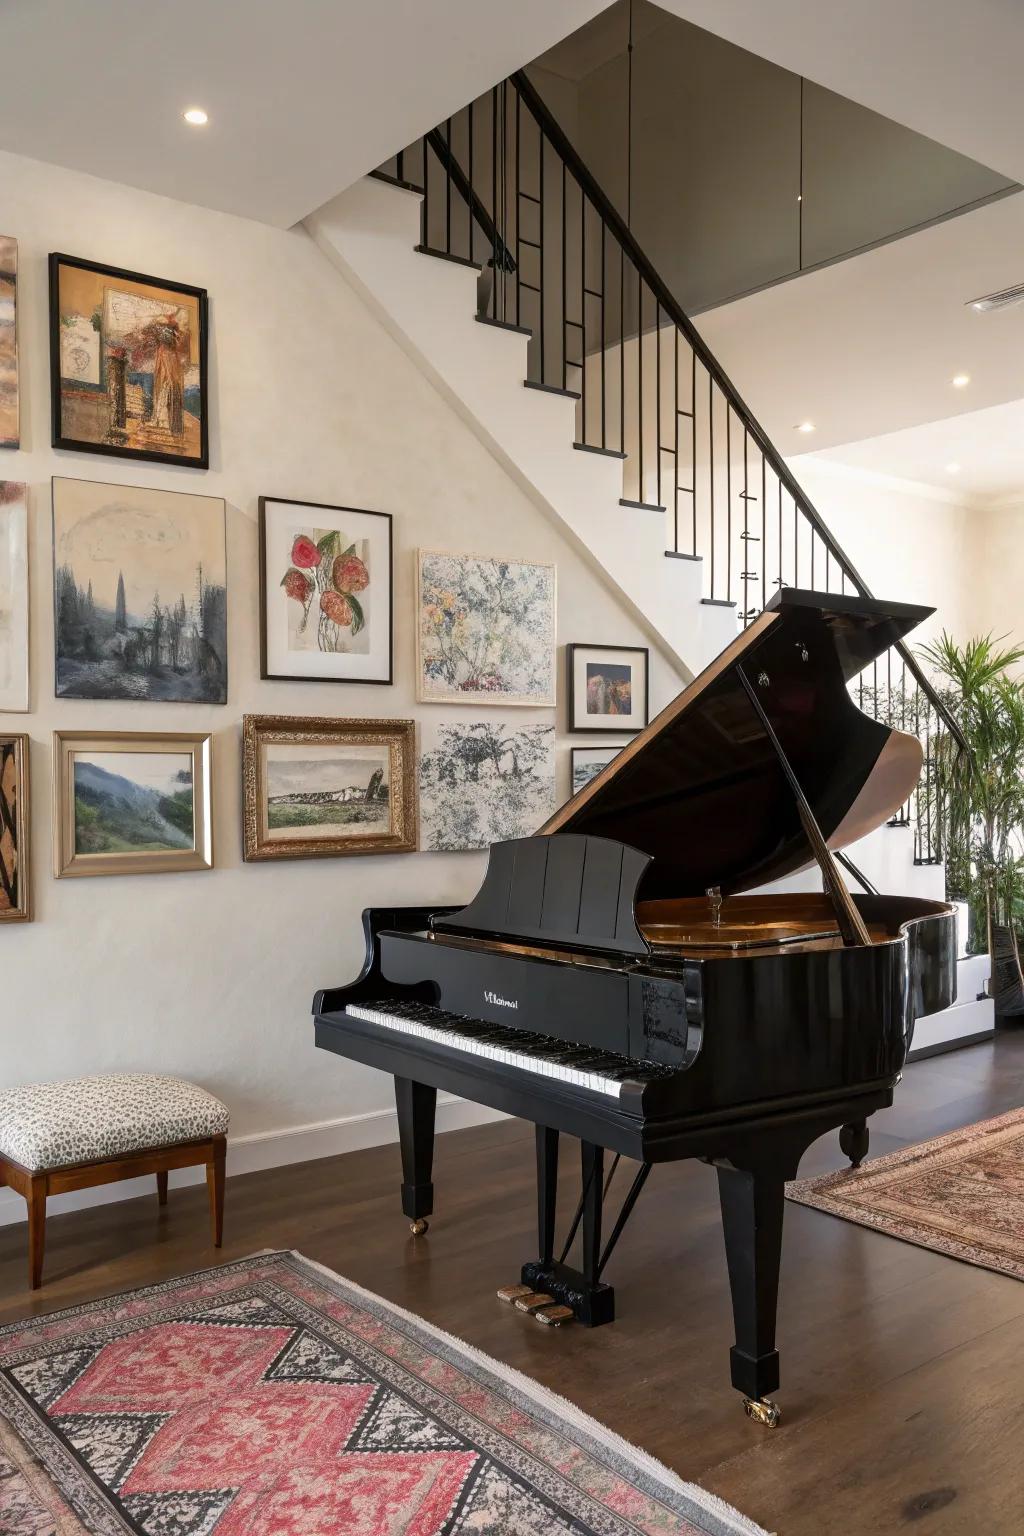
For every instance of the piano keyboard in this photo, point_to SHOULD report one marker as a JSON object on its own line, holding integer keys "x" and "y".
{"x": 542, "y": 1055}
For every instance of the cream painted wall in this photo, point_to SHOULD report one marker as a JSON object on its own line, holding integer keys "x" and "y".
{"x": 999, "y": 572}
{"x": 212, "y": 975}
{"x": 909, "y": 544}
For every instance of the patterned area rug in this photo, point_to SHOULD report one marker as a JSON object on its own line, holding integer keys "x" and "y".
{"x": 271, "y": 1398}
{"x": 961, "y": 1194}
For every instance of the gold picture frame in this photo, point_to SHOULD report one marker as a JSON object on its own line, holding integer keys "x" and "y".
{"x": 126, "y": 803}
{"x": 354, "y": 775}
{"x": 15, "y": 830}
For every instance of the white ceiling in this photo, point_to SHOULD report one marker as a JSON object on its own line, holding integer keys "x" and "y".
{"x": 987, "y": 446}
{"x": 869, "y": 346}
{"x": 947, "y": 68}
{"x": 303, "y": 96}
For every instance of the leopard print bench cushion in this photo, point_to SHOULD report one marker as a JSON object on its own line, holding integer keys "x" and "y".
{"x": 52, "y": 1125}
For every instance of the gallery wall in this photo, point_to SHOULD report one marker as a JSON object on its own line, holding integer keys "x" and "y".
{"x": 211, "y": 975}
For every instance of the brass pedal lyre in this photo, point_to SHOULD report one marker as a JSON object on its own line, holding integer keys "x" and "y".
{"x": 533, "y": 1301}
{"x": 511, "y": 1293}
{"x": 555, "y": 1316}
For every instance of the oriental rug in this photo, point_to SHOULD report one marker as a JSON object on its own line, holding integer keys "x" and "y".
{"x": 961, "y": 1194}
{"x": 269, "y": 1397}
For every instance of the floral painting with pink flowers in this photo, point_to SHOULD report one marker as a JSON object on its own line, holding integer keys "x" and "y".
{"x": 326, "y": 590}
{"x": 486, "y": 630}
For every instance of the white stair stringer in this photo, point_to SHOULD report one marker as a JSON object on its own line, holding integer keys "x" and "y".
{"x": 370, "y": 233}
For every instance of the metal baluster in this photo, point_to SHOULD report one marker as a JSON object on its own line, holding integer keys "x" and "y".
{"x": 583, "y": 314}
{"x": 604, "y": 344}
{"x": 693, "y": 444}
{"x": 622, "y": 351}
{"x": 764, "y": 530}
{"x": 640, "y": 380}
{"x": 728, "y": 499}
{"x": 470, "y": 226}
{"x": 675, "y": 459}
{"x": 517, "y": 203}
{"x": 448, "y": 189}
{"x": 657, "y": 397}
{"x": 540, "y": 255}
{"x": 711, "y": 477}
{"x": 565, "y": 317}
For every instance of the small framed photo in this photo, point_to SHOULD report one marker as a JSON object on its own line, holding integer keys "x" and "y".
{"x": 586, "y": 764}
{"x": 15, "y": 832}
{"x": 127, "y": 364}
{"x": 326, "y": 585}
{"x": 131, "y": 803}
{"x": 607, "y": 687}
{"x": 320, "y": 788}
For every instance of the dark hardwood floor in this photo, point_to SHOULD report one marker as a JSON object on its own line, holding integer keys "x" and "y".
{"x": 901, "y": 1369}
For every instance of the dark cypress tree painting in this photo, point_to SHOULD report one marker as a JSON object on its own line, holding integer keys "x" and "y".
{"x": 140, "y": 598}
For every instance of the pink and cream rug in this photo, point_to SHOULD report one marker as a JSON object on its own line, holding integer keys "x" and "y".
{"x": 961, "y": 1194}
{"x": 271, "y": 1398}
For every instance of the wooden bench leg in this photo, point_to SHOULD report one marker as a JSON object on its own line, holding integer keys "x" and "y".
{"x": 215, "y": 1185}
{"x": 161, "y": 1186}
{"x": 36, "y": 1229}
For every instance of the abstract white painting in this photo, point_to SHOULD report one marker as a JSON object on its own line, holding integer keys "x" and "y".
{"x": 485, "y": 630}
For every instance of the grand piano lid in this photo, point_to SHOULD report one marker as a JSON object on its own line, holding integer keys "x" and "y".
{"x": 701, "y": 790}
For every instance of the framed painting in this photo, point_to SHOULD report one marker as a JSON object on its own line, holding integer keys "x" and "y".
{"x": 127, "y": 364}
{"x": 482, "y": 783}
{"x": 14, "y": 696}
{"x": 607, "y": 687}
{"x": 139, "y": 594}
{"x": 485, "y": 630}
{"x": 321, "y": 788}
{"x": 587, "y": 763}
{"x": 10, "y": 429}
{"x": 131, "y": 803}
{"x": 326, "y": 585}
{"x": 15, "y": 831}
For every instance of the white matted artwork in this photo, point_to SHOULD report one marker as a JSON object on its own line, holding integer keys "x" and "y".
{"x": 484, "y": 783}
{"x": 325, "y": 592}
{"x": 607, "y": 687}
{"x": 485, "y": 630}
{"x": 14, "y": 697}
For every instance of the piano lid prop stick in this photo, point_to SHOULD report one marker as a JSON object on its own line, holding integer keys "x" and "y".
{"x": 851, "y": 924}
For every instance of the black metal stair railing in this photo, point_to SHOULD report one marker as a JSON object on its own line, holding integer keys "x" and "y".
{"x": 504, "y": 191}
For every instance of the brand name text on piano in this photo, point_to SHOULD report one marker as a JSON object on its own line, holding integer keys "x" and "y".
{"x": 500, "y": 1002}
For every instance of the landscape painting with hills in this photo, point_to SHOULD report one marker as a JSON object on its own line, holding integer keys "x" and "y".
{"x": 140, "y": 599}
{"x": 133, "y": 802}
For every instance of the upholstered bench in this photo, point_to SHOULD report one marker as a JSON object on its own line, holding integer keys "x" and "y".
{"x": 56, "y": 1137}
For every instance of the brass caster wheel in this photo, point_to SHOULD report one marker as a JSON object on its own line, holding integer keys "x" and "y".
{"x": 419, "y": 1226}
{"x": 763, "y": 1411}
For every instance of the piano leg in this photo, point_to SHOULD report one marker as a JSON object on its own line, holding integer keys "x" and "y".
{"x": 547, "y": 1191}
{"x": 854, "y": 1140}
{"x": 751, "y": 1189}
{"x": 416, "y": 1103}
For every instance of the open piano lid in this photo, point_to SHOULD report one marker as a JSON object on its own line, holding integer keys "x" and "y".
{"x": 701, "y": 790}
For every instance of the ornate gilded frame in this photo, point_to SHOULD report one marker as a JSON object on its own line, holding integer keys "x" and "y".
{"x": 399, "y": 736}
{"x": 68, "y": 863}
{"x": 18, "y": 827}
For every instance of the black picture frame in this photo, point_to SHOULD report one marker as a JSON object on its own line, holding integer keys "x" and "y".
{"x": 323, "y": 506}
{"x": 59, "y": 438}
{"x": 614, "y": 726}
{"x": 614, "y": 748}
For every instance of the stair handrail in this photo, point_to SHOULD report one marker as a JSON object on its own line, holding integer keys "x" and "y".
{"x": 668, "y": 302}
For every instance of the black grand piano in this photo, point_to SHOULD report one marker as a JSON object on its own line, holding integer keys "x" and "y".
{"x": 611, "y": 980}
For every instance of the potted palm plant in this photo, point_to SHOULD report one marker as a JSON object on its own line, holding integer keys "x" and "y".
{"x": 978, "y": 799}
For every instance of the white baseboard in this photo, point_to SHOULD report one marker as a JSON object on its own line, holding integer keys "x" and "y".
{"x": 267, "y": 1149}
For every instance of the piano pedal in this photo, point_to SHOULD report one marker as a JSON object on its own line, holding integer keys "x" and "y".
{"x": 533, "y": 1301}
{"x": 511, "y": 1293}
{"x": 763, "y": 1411}
{"x": 555, "y": 1316}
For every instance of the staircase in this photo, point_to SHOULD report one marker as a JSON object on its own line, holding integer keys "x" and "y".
{"x": 490, "y": 253}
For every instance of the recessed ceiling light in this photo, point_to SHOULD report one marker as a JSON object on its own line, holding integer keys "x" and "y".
{"x": 196, "y": 116}
{"x": 961, "y": 380}
{"x": 952, "y": 469}
{"x": 805, "y": 426}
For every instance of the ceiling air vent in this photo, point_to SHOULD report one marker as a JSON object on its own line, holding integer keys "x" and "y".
{"x": 1001, "y": 300}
